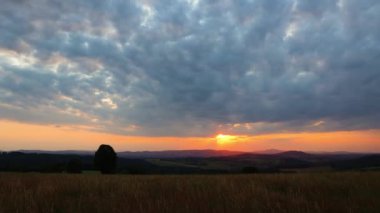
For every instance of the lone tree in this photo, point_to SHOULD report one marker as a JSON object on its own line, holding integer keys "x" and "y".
{"x": 105, "y": 159}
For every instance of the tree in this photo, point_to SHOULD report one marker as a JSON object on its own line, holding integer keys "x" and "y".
{"x": 105, "y": 159}
{"x": 74, "y": 166}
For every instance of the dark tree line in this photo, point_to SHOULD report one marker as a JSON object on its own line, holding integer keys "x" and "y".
{"x": 105, "y": 161}
{"x": 74, "y": 166}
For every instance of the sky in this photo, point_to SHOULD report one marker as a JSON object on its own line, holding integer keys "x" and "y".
{"x": 156, "y": 75}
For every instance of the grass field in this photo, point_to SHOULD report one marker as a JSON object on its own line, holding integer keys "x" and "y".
{"x": 307, "y": 192}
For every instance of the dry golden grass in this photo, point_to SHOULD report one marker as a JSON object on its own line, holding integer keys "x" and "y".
{"x": 313, "y": 192}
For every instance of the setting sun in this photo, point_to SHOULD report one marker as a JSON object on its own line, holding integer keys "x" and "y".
{"x": 224, "y": 139}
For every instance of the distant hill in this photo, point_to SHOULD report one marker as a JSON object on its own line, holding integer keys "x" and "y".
{"x": 147, "y": 154}
{"x": 190, "y": 161}
{"x": 179, "y": 154}
{"x": 208, "y": 153}
{"x": 60, "y": 152}
{"x": 268, "y": 151}
{"x": 368, "y": 161}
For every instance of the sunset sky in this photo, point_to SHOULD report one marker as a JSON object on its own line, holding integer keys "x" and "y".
{"x": 190, "y": 74}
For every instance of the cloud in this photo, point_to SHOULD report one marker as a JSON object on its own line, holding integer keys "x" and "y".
{"x": 192, "y": 68}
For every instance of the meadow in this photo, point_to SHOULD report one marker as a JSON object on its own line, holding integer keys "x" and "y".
{"x": 299, "y": 192}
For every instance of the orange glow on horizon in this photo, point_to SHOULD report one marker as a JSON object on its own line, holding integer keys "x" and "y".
{"x": 16, "y": 136}
{"x": 222, "y": 139}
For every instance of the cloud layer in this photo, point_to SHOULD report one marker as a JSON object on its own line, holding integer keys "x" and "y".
{"x": 191, "y": 68}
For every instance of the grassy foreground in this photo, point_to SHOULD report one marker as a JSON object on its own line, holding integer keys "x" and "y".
{"x": 308, "y": 192}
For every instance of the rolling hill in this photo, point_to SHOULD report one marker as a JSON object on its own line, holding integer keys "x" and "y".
{"x": 189, "y": 161}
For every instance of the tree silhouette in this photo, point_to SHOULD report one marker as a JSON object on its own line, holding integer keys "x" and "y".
{"x": 74, "y": 166}
{"x": 105, "y": 159}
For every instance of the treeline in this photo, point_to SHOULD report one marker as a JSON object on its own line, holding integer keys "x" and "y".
{"x": 106, "y": 161}
{"x": 59, "y": 163}
{"x": 22, "y": 162}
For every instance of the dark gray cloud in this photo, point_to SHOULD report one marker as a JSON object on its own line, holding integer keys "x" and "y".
{"x": 192, "y": 68}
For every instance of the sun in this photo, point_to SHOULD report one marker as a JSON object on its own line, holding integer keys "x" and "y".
{"x": 225, "y": 139}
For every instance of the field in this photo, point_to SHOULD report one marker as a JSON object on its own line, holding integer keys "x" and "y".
{"x": 304, "y": 192}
